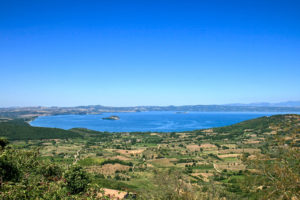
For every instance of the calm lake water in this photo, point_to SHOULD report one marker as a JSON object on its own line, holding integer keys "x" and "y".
{"x": 147, "y": 121}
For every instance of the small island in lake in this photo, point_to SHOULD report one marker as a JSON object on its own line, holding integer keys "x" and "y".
{"x": 179, "y": 112}
{"x": 112, "y": 118}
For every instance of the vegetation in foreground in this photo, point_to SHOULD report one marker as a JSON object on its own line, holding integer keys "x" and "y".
{"x": 255, "y": 159}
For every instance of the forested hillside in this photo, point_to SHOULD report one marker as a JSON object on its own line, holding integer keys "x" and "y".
{"x": 20, "y": 130}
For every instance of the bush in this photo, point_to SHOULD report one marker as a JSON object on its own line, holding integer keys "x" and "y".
{"x": 77, "y": 180}
{"x": 8, "y": 170}
{"x": 3, "y": 142}
{"x": 99, "y": 154}
{"x": 51, "y": 171}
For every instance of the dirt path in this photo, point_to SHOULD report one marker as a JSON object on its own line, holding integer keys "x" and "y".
{"x": 76, "y": 156}
{"x": 215, "y": 167}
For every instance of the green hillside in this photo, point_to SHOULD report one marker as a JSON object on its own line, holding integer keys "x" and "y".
{"x": 261, "y": 124}
{"x": 282, "y": 124}
{"x": 20, "y": 130}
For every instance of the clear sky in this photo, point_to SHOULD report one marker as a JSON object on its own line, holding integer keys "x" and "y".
{"x": 125, "y": 53}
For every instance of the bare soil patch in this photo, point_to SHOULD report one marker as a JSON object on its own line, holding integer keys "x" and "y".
{"x": 113, "y": 194}
{"x": 120, "y": 158}
{"x": 229, "y": 155}
{"x": 128, "y": 152}
{"x": 208, "y": 146}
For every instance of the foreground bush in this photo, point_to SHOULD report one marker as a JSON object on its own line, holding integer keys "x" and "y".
{"x": 77, "y": 180}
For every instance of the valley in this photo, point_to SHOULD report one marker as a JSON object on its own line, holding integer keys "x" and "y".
{"x": 201, "y": 164}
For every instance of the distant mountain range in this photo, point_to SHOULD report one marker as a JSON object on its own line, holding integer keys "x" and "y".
{"x": 29, "y": 113}
{"x": 266, "y": 104}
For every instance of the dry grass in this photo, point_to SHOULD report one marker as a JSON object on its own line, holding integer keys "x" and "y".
{"x": 208, "y": 146}
{"x": 233, "y": 151}
{"x": 155, "y": 134}
{"x": 229, "y": 155}
{"x": 252, "y": 142}
{"x": 208, "y": 131}
{"x": 108, "y": 169}
{"x": 235, "y": 166}
{"x": 205, "y": 176}
{"x": 128, "y": 152}
{"x": 120, "y": 158}
{"x": 193, "y": 147}
{"x": 166, "y": 162}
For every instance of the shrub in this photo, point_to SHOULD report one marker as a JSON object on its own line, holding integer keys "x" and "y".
{"x": 51, "y": 171}
{"x": 3, "y": 142}
{"x": 77, "y": 180}
{"x": 8, "y": 170}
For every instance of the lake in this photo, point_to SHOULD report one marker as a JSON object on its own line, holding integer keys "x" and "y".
{"x": 147, "y": 121}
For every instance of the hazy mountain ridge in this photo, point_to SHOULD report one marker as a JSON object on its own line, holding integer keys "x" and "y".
{"x": 267, "y": 104}
{"x": 31, "y": 112}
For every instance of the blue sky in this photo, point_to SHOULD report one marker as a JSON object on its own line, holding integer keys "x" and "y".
{"x": 125, "y": 53}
